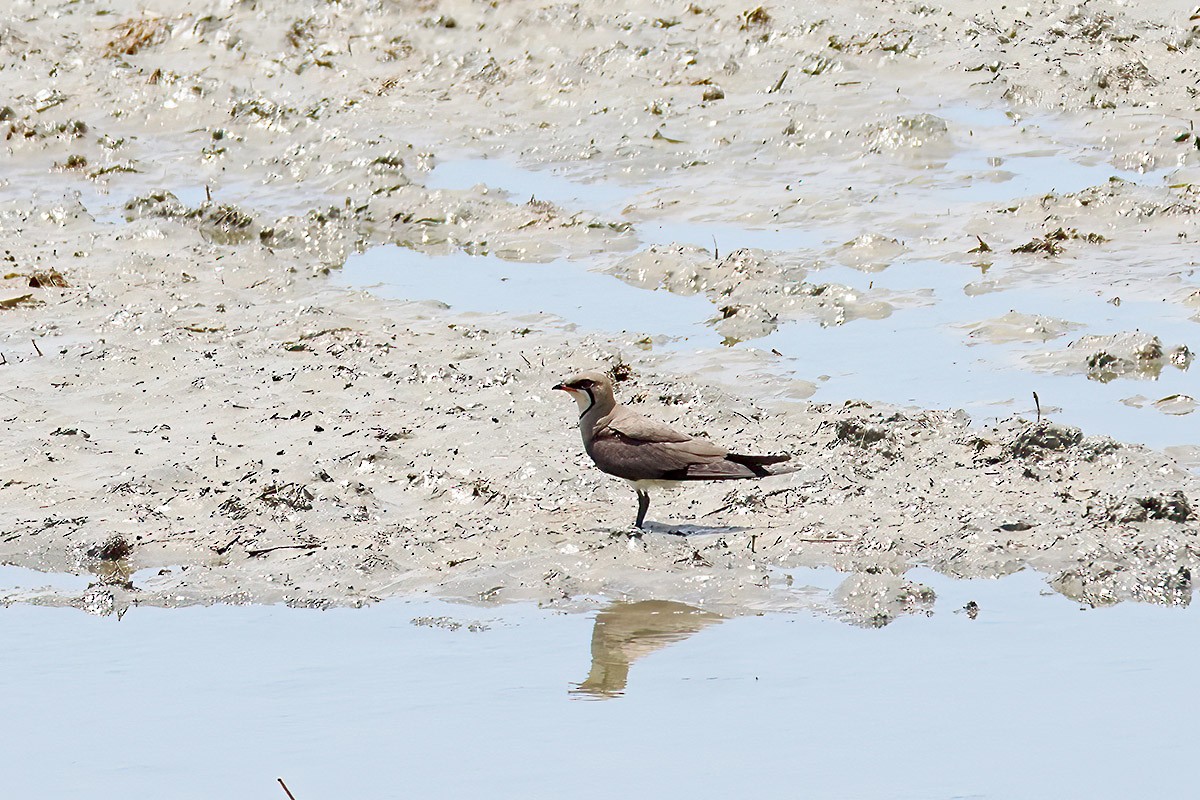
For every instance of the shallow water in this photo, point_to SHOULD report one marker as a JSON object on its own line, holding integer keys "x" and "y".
{"x": 218, "y": 702}
{"x": 561, "y": 288}
{"x": 20, "y": 579}
{"x": 922, "y": 356}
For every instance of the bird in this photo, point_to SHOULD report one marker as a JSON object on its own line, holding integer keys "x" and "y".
{"x": 649, "y": 454}
{"x": 625, "y": 632}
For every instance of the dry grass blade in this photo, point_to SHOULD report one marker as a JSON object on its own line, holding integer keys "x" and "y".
{"x": 134, "y": 35}
{"x": 756, "y": 16}
{"x": 13, "y": 302}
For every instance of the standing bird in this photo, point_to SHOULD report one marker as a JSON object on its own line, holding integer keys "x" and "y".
{"x": 647, "y": 453}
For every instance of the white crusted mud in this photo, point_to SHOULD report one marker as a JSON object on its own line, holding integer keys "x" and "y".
{"x": 194, "y": 413}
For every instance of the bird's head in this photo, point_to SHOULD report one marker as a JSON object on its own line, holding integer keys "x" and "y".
{"x": 590, "y": 389}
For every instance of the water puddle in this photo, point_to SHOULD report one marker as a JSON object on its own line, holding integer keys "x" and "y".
{"x": 521, "y": 184}
{"x": 925, "y": 357}
{"x": 955, "y": 704}
{"x": 994, "y": 179}
{"x": 566, "y": 289}
{"x": 1005, "y": 158}
{"x": 22, "y": 581}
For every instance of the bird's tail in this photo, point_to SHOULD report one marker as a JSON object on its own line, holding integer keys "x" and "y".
{"x": 764, "y": 465}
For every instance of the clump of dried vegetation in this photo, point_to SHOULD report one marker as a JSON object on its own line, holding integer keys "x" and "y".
{"x": 136, "y": 34}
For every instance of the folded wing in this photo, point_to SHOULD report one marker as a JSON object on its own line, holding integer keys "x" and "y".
{"x": 636, "y": 448}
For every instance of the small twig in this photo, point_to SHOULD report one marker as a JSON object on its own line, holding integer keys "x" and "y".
{"x": 1038, "y": 405}
{"x": 285, "y": 789}
{"x": 35, "y": 346}
{"x": 983, "y": 246}
{"x": 716, "y": 252}
{"x": 264, "y": 550}
{"x": 779, "y": 83}
{"x": 208, "y": 197}
{"x": 827, "y": 541}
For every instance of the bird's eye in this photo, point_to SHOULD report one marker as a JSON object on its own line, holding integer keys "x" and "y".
{"x": 583, "y": 384}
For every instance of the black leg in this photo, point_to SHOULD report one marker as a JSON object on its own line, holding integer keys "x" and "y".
{"x": 643, "y": 506}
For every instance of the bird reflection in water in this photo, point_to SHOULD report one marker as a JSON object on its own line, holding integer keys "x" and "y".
{"x": 625, "y": 632}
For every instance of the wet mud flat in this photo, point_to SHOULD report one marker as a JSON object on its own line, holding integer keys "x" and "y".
{"x": 196, "y": 412}
{"x": 318, "y": 448}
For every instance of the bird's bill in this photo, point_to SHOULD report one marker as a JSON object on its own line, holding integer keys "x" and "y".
{"x": 565, "y": 388}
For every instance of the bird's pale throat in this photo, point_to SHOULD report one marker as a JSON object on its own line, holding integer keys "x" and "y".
{"x": 591, "y": 402}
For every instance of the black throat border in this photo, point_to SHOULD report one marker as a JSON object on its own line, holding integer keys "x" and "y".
{"x": 591, "y": 403}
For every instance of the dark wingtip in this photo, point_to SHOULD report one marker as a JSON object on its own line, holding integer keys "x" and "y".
{"x": 759, "y": 460}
